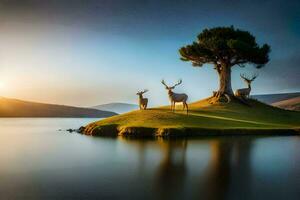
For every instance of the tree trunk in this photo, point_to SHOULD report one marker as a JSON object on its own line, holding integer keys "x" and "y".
{"x": 224, "y": 94}
{"x": 225, "y": 81}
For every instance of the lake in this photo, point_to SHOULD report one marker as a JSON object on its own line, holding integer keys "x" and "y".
{"x": 40, "y": 162}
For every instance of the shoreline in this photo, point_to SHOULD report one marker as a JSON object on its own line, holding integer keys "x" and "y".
{"x": 142, "y": 132}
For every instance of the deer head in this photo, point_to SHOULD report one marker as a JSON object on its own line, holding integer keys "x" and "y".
{"x": 247, "y": 79}
{"x": 142, "y": 92}
{"x": 171, "y": 87}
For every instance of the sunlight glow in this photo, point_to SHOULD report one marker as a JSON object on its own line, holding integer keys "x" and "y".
{"x": 2, "y": 86}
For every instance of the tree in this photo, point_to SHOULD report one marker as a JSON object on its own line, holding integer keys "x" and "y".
{"x": 223, "y": 48}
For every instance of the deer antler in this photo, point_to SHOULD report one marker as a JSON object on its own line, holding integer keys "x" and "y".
{"x": 243, "y": 76}
{"x": 254, "y": 77}
{"x": 163, "y": 82}
{"x": 142, "y": 92}
{"x": 145, "y": 90}
{"x": 178, "y": 83}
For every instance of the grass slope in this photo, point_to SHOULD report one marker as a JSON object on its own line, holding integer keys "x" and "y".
{"x": 203, "y": 119}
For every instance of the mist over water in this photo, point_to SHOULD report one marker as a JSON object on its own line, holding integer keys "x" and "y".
{"x": 40, "y": 162}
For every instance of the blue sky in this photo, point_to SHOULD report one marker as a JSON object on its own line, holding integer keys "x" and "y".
{"x": 91, "y": 52}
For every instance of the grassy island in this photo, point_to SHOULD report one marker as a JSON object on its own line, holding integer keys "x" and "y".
{"x": 222, "y": 48}
{"x": 204, "y": 118}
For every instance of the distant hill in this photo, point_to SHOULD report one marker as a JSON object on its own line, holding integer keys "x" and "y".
{"x": 289, "y": 104}
{"x": 117, "y": 107}
{"x": 18, "y": 108}
{"x": 273, "y": 98}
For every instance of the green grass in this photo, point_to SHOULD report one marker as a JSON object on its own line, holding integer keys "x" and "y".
{"x": 203, "y": 118}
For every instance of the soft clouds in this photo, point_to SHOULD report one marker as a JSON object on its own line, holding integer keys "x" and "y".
{"x": 96, "y": 51}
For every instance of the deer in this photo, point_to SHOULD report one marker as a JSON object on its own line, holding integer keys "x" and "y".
{"x": 175, "y": 97}
{"x": 245, "y": 92}
{"x": 143, "y": 102}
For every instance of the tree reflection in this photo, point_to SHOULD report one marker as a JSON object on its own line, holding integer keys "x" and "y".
{"x": 171, "y": 172}
{"x": 228, "y": 173}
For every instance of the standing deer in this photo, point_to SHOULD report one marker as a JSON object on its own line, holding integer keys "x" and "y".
{"x": 245, "y": 92}
{"x": 143, "y": 102}
{"x": 175, "y": 98}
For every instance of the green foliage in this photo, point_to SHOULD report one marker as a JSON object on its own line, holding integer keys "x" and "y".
{"x": 225, "y": 45}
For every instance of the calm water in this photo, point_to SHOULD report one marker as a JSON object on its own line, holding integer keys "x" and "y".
{"x": 39, "y": 162}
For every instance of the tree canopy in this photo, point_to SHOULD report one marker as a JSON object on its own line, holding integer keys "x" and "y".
{"x": 225, "y": 46}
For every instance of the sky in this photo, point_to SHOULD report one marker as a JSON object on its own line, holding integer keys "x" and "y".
{"x": 90, "y": 52}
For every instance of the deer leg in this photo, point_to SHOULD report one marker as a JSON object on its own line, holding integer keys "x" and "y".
{"x": 187, "y": 108}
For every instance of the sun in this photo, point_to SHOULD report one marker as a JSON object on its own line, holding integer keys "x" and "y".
{"x": 2, "y": 85}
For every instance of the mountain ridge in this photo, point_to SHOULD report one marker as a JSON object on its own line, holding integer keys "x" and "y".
{"x": 117, "y": 107}
{"x": 273, "y": 98}
{"x": 10, "y": 107}
{"x": 289, "y": 104}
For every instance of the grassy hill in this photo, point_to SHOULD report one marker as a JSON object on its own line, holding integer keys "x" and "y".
{"x": 203, "y": 119}
{"x": 117, "y": 107}
{"x": 18, "y": 108}
{"x": 289, "y": 104}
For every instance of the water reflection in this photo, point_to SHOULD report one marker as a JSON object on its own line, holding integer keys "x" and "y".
{"x": 171, "y": 172}
{"x": 227, "y": 169}
{"x": 216, "y": 178}
{"x": 37, "y": 162}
